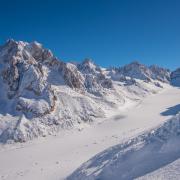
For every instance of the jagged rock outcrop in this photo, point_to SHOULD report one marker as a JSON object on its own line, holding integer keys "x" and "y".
{"x": 25, "y": 76}
{"x": 88, "y": 67}
{"x": 71, "y": 75}
{"x": 159, "y": 73}
{"x": 135, "y": 70}
{"x": 94, "y": 80}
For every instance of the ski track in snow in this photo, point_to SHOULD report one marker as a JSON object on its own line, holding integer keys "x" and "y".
{"x": 57, "y": 157}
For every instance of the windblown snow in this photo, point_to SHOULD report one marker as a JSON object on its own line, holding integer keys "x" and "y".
{"x": 86, "y": 109}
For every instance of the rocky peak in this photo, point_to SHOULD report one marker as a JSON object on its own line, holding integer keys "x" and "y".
{"x": 88, "y": 67}
{"x": 19, "y": 58}
{"x": 159, "y": 73}
{"x": 39, "y": 53}
{"x": 135, "y": 70}
{"x": 71, "y": 75}
{"x": 24, "y": 75}
{"x": 135, "y": 65}
{"x": 140, "y": 71}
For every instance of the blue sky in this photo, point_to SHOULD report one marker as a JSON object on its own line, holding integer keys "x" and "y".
{"x": 111, "y": 32}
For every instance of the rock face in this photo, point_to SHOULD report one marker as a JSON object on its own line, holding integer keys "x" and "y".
{"x": 40, "y": 94}
{"x": 160, "y": 74}
{"x": 175, "y": 77}
{"x": 135, "y": 70}
{"x": 25, "y": 77}
{"x": 94, "y": 79}
{"x": 71, "y": 75}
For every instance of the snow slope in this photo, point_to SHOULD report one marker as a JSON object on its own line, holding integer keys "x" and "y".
{"x": 57, "y": 157}
{"x": 168, "y": 172}
{"x": 137, "y": 156}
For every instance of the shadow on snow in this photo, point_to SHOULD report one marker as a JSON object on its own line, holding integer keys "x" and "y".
{"x": 135, "y": 158}
{"x": 171, "y": 110}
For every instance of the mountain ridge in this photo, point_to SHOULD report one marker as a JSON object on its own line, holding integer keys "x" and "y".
{"x": 41, "y": 94}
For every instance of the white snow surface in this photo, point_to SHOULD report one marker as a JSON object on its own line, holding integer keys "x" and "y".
{"x": 57, "y": 157}
{"x": 137, "y": 156}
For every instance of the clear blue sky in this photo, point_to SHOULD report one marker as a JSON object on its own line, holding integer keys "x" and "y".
{"x": 111, "y": 32}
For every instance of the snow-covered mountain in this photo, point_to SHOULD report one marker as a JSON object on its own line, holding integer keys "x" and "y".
{"x": 41, "y": 94}
{"x": 140, "y": 71}
{"x": 160, "y": 73}
{"x": 135, "y": 70}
